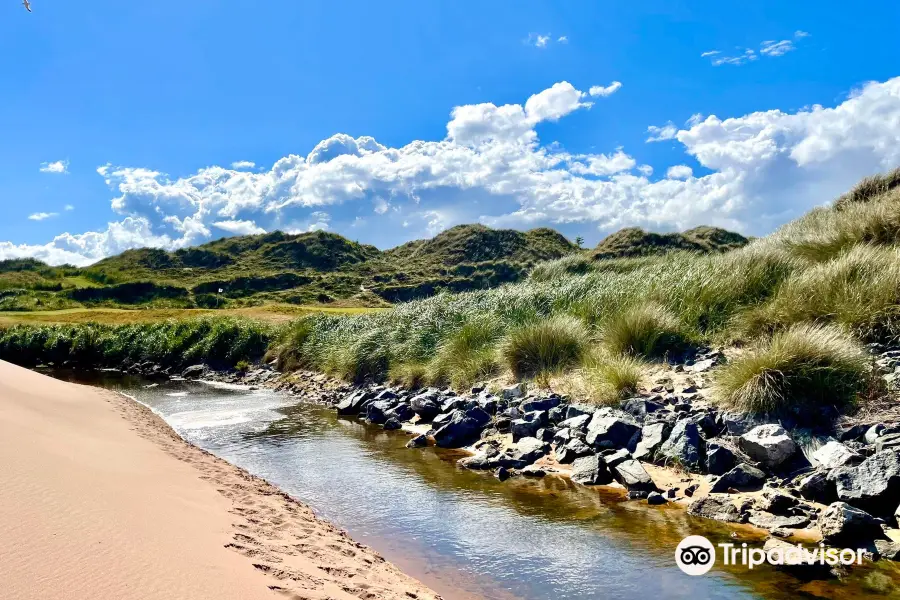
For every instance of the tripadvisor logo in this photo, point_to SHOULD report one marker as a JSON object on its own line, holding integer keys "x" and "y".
{"x": 696, "y": 555}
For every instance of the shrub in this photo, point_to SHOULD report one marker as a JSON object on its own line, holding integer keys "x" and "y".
{"x": 288, "y": 350}
{"x": 242, "y": 366}
{"x": 860, "y": 289}
{"x": 543, "y": 347}
{"x": 646, "y": 330}
{"x": 806, "y": 372}
{"x": 611, "y": 379}
{"x": 467, "y": 355}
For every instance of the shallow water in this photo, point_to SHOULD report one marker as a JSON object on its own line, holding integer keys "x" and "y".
{"x": 465, "y": 534}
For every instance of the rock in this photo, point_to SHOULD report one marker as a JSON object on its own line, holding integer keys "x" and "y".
{"x": 701, "y": 366}
{"x": 719, "y": 508}
{"x": 888, "y": 549}
{"x": 386, "y": 395}
{"x": 579, "y": 422}
{"x": 655, "y": 499}
{"x": 401, "y": 412}
{"x": 460, "y": 431}
{"x": 532, "y": 471}
{"x": 835, "y": 454}
{"x": 502, "y": 473}
{"x": 739, "y": 423}
{"x": 872, "y": 486}
{"x": 778, "y": 503}
{"x": 844, "y": 526}
{"x": 719, "y": 459}
{"x": 193, "y": 371}
{"x": 765, "y": 520}
{"x": 574, "y": 448}
{"x": 652, "y": 437}
{"x": 872, "y": 433}
{"x": 575, "y": 410}
{"x": 683, "y": 445}
{"x": 478, "y": 415}
{"x": 610, "y": 431}
{"x": 591, "y": 470}
{"x": 768, "y": 444}
{"x": 392, "y": 423}
{"x": 852, "y": 433}
{"x": 420, "y": 441}
{"x": 426, "y": 406}
{"x": 632, "y": 475}
{"x": 375, "y": 411}
{"x": 557, "y": 414}
{"x": 689, "y": 490}
{"x": 545, "y": 404}
{"x": 529, "y": 449}
{"x": 707, "y": 423}
{"x": 742, "y": 476}
{"x": 513, "y": 391}
{"x": 441, "y": 420}
{"x": 546, "y": 434}
{"x": 478, "y": 462}
{"x": 816, "y": 487}
{"x": 890, "y": 441}
{"x": 641, "y": 407}
{"x": 352, "y": 405}
{"x": 528, "y": 425}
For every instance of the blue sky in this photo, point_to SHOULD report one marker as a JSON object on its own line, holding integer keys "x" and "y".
{"x": 122, "y": 121}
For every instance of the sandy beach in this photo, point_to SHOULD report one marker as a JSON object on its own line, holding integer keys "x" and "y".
{"x": 100, "y": 499}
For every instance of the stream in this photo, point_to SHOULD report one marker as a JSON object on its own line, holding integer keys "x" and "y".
{"x": 462, "y": 533}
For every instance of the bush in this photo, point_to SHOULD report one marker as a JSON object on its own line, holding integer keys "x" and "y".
{"x": 646, "y": 330}
{"x": 859, "y": 289}
{"x": 611, "y": 379}
{"x": 467, "y": 355}
{"x": 807, "y": 372}
{"x": 549, "y": 346}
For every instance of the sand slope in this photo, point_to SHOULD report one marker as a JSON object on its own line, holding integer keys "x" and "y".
{"x": 99, "y": 499}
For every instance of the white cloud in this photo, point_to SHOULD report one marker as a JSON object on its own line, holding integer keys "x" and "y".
{"x": 772, "y": 48}
{"x": 801, "y": 34}
{"x": 746, "y": 55}
{"x": 537, "y": 40}
{"x": 381, "y": 205}
{"x": 710, "y": 53}
{"x": 563, "y": 39}
{"x": 243, "y": 164}
{"x": 239, "y": 227}
{"x": 599, "y": 90}
{"x": 40, "y": 216}
{"x": 679, "y": 172}
{"x": 59, "y": 167}
{"x": 68, "y": 207}
{"x": 762, "y": 169}
{"x": 661, "y": 134}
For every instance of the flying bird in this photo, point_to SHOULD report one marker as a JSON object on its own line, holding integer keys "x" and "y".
{"x": 27, "y": 5}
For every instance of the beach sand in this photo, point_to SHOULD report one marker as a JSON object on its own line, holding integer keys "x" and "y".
{"x": 100, "y": 499}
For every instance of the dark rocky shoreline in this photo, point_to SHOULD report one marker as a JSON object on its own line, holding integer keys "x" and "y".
{"x": 842, "y": 485}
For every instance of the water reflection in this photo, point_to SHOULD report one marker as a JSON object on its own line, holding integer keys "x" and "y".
{"x": 465, "y": 533}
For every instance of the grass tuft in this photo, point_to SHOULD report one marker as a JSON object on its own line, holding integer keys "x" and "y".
{"x": 611, "y": 379}
{"x": 869, "y": 188}
{"x": 646, "y": 330}
{"x": 805, "y": 372}
{"x": 544, "y": 347}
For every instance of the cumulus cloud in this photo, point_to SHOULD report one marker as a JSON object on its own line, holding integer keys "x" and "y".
{"x": 243, "y": 164}
{"x": 679, "y": 172}
{"x": 760, "y": 170}
{"x": 59, "y": 166}
{"x": 538, "y": 40}
{"x": 40, "y": 216}
{"x": 68, "y": 207}
{"x": 600, "y": 91}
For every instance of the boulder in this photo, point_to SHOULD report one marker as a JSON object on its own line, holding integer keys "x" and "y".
{"x": 888, "y": 549}
{"x": 426, "y": 406}
{"x": 652, "y": 437}
{"x": 529, "y": 449}
{"x": 631, "y": 474}
{"x": 845, "y": 526}
{"x": 579, "y": 422}
{"x": 835, "y": 454}
{"x": 420, "y": 441}
{"x": 765, "y": 520}
{"x": 655, "y": 499}
{"x": 719, "y": 459}
{"x": 528, "y": 425}
{"x": 778, "y": 503}
{"x": 683, "y": 445}
{"x": 872, "y": 486}
{"x": 612, "y": 431}
{"x": 574, "y": 448}
{"x": 591, "y": 470}
{"x": 375, "y": 411}
{"x": 392, "y": 423}
{"x": 742, "y": 477}
{"x": 386, "y": 395}
{"x": 641, "y": 407}
{"x": 513, "y": 391}
{"x": 768, "y": 444}
{"x": 575, "y": 410}
{"x": 401, "y": 412}
{"x": 817, "y": 487}
{"x": 193, "y": 371}
{"x": 532, "y": 404}
{"x": 890, "y": 441}
{"x": 719, "y": 508}
{"x": 739, "y": 423}
{"x": 352, "y": 405}
{"x": 441, "y": 420}
{"x": 460, "y": 431}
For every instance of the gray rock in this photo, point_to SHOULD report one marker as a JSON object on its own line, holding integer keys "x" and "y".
{"x": 872, "y": 433}
{"x": 441, "y": 420}
{"x": 683, "y": 445}
{"x": 610, "y": 431}
{"x": 778, "y": 503}
{"x": 890, "y": 441}
{"x": 641, "y": 407}
{"x": 532, "y": 471}
{"x": 872, "y": 486}
{"x": 401, "y": 412}
{"x": 652, "y": 437}
{"x": 719, "y": 459}
{"x": 633, "y": 476}
{"x": 576, "y": 410}
{"x": 739, "y": 423}
{"x": 888, "y": 549}
{"x": 767, "y": 520}
{"x": 460, "y": 431}
{"x": 426, "y": 406}
{"x": 815, "y": 486}
{"x": 574, "y": 448}
{"x": 420, "y": 441}
{"x": 392, "y": 423}
{"x": 352, "y": 405}
{"x": 529, "y": 449}
{"x": 835, "y": 454}
{"x": 193, "y": 371}
{"x": 579, "y": 422}
{"x": 528, "y": 425}
{"x": 513, "y": 391}
{"x": 655, "y": 499}
{"x": 768, "y": 444}
{"x": 742, "y": 477}
{"x": 844, "y": 526}
{"x": 545, "y": 404}
{"x": 719, "y": 508}
{"x": 591, "y": 470}
{"x": 375, "y": 411}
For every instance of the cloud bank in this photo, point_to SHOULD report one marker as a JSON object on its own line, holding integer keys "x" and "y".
{"x": 750, "y": 173}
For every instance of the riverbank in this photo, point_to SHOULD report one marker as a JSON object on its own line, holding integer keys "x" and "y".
{"x": 101, "y": 499}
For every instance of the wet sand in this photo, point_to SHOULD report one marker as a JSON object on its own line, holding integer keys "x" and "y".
{"x": 100, "y": 499}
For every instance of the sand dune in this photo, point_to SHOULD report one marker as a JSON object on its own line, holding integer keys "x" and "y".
{"x": 99, "y": 499}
